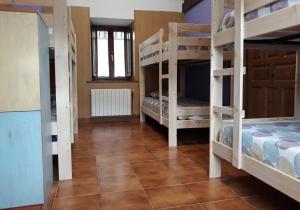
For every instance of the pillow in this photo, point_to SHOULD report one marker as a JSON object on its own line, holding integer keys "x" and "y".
{"x": 155, "y": 94}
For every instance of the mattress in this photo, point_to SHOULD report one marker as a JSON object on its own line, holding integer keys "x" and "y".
{"x": 195, "y": 49}
{"x": 274, "y": 143}
{"x": 153, "y": 104}
{"x": 228, "y": 20}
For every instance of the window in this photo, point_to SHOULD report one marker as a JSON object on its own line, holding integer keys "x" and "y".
{"x": 111, "y": 52}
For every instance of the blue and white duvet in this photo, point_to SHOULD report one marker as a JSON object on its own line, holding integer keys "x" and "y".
{"x": 274, "y": 143}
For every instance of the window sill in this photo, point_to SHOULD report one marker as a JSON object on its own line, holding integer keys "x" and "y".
{"x": 112, "y": 81}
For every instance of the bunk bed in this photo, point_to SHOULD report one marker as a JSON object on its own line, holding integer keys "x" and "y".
{"x": 72, "y": 85}
{"x": 62, "y": 50}
{"x": 186, "y": 42}
{"x": 268, "y": 149}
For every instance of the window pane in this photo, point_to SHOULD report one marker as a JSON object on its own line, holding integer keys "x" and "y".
{"x": 119, "y": 54}
{"x": 103, "y": 62}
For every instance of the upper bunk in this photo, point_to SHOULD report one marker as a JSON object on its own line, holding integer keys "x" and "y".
{"x": 265, "y": 21}
{"x": 191, "y": 41}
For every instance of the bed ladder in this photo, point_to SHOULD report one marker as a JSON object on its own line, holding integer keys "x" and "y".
{"x": 217, "y": 74}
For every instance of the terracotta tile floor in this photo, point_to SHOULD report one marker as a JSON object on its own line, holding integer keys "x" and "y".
{"x": 125, "y": 165}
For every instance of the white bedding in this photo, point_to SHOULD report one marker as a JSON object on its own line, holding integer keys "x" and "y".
{"x": 153, "y": 104}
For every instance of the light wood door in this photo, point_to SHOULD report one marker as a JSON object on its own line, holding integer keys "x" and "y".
{"x": 270, "y": 83}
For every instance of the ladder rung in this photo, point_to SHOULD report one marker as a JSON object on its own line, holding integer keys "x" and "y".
{"x": 223, "y": 110}
{"x": 226, "y": 72}
{"x": 165, "y": 76}
{"x": 165, "y": 98}
{"x": 226, "y": 110}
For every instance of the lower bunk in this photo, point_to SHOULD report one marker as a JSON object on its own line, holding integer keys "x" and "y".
{"x": 270, "y": 152}
{"x": 190, "y": 113}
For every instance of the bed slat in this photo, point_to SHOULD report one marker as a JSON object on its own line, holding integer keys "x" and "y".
{"x": 193, "y": 28}
{"x": 183, "y": 111}
{"x": 192, "y": 41}
{"x": 251, "y": 5}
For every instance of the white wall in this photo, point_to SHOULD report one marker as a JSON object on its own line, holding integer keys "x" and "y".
{"x": 123, "y": 9}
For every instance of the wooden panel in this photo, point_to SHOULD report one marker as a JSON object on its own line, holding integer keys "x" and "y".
{"x": 45, "y": 110}
{"x": 270, "y": 81}
{"x": 147, "y": 23}
{"x": 21, "y": 177}
{"x": 81, "y": 22}
{"x": 28, "y": 2}
{"x": 19, "y": 81}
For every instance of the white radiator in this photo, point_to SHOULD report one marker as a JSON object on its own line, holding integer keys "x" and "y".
{"x": 111, "y": 102}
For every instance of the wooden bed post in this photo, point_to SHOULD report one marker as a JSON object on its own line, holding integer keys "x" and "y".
{"x": 216, "y": 88}
{"x": 142, "y": 85}
{"x": 238, "y": 83}
{"x": 297, "y": 86}
{"x": 172, "y": 85}
{"x": 160, "y": 62}
{"x": 62, "y": 89}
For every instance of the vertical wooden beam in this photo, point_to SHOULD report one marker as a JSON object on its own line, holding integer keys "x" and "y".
{"x": 62, "y": 89}
{"x": 161, "y": 32}
{"x": 142, "y": 85}
{"x": 216, "y": 88}
{"x": 73, "y": 71}
{"x": 173, "y": 84}
{"x": 75, "y": 86}
{"x": 238, "y": 83}
{"x": 297, "y": 86}
{"x": 71, "y": 86}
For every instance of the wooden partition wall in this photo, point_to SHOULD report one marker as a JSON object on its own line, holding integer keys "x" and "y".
{"x": 270, "y": 83}
{"x": 147, "y": 23}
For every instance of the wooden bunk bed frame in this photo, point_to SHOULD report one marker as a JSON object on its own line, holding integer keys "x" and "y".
{"x": 152, "y": 51}
{"x": 62, "y": 38}
{"x": 280, "y": 24}
{"x": 66, "y": 85}
{"x": 72, "y": 67}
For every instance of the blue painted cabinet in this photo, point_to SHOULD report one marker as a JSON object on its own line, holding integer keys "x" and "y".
{"x": 25, "y": 120}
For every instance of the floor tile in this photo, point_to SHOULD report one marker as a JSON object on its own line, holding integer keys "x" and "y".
{"x": 84, "y": 161}
{"x": 184, "y": 163}
{"x": 166, "y": 154}
{"x": 229, "y": 171}
{"x": 191, "y": 175}
{"x": 118, "y": 169}
{"x": 141, "y": 156}
{"x": 133, "y": 200}
{"x": 189, "y": 207}
{"x": 158, "y": 179}
{"x": 272, "y": 201}
{"x": 78, "y": 203}
{"x": 148, "y": 167}
{"x": 245, "y": 185}
{"x": 233, "y": 204}
{"x": 165, "y": 197}
{"x": 111, "y": 158}
{"x": 78, "y": 187}
{"x": 126, "y": 156}
{"x": 119, "y": 183}
{"x": 84, "y": 172}
{"x": 211, "y": 191}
